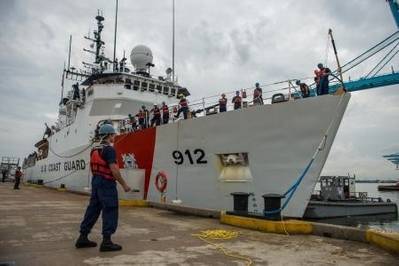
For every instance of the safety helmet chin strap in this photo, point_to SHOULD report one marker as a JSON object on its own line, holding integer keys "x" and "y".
{"x": 104, "y": 137}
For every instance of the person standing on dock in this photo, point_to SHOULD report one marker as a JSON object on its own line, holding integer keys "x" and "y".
{"x": 104, "y": 195}
{"x": 18, "y": 176}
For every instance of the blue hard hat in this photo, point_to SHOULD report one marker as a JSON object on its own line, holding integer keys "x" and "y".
{"x": 107, "y": 129}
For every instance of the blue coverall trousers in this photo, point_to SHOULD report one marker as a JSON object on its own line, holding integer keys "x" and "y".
{"x": 324, "y": 88}
{"x": 104, "y": 197}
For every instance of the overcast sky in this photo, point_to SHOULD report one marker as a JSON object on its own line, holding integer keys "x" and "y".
{"x": 220, "y": 46}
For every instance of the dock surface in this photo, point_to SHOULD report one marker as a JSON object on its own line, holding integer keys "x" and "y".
{"x": 39, "y": 226}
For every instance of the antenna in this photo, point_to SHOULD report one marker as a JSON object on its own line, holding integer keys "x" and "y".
{"x": 173, "y": 42}
{"x": 116, "y": 28}
{"x": 62, "y": 83}
{"x": 69, "y": 52}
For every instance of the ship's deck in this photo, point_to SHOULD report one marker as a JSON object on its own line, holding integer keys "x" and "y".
{"x": 38, "y": 226}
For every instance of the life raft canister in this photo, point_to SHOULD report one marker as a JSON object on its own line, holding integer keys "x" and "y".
{"x": 161, "y": 181}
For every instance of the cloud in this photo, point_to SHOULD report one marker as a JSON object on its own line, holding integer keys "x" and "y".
{"x": 220, "y": 46}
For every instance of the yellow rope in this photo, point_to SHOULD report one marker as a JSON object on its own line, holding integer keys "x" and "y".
{"x": 218, "y": 234}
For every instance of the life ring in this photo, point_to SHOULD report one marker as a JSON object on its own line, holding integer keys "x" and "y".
{"x": 161, "y": 181}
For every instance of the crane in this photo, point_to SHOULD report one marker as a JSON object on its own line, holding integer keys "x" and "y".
{"x": 373, "y": 78}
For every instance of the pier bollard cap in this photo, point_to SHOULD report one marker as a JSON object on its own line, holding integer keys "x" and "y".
{"x": 107, "y": 129}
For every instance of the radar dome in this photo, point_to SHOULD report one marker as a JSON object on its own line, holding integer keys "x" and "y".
{"x": 140, "y": 57}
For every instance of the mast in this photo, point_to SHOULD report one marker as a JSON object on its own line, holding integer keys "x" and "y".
{"x": 69, "y": 52}
{"x": 116, "y": 28}
{"x": 62, "y": 83}
{"x": 173, "y": 41}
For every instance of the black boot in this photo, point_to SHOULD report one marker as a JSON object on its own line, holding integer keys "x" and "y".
{"x": 84, "y": 242}
{"x": 107, "y": 245}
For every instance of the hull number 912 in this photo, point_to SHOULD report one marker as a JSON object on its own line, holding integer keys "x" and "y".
{"x": 193, "y": 157}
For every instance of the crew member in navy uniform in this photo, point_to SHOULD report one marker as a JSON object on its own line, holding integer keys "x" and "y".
{"x": 223, "y": 103}
{"x": 165, "y": 113}
{"x": 140, "y": 116}
{"x": 104, "y": 196}
{"x": 183, "y": 107}
{"x": 258, "y": 98}
{"x": 156, "y": 118}
{"x": 304, "y": 88}
{"x": 237, "y": 101}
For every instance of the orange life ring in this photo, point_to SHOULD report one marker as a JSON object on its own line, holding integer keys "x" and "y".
{"x": 161, "y": 181}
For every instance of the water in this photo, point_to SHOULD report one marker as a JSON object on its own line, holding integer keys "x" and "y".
{"x": 385, "y": 222}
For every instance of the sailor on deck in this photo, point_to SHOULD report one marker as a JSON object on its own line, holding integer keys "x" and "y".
{"x": 183, "y": 107}
{"x": 156, "y": 118}
{"x": 237, "y": 101}
{"x": 165, "y": 113}
{"x": 322, "y": 74}
{"x": 104, "y": 195}
{"x": 258, "y": 100}
{"x": 223, "y": 103}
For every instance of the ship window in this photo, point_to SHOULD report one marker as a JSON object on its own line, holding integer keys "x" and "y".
{"x": 128, "y": 81}
{"x": 144, "y": 86}
{"x": 136, "y": 85}
{"x": 159, "y": 88}
{"x": 106, "y": 107}
{"x": 166, "y": 90}
{"x": 128, "y": 87}
{"x": 152, "y": 87}
{"x": 172, "y": 92}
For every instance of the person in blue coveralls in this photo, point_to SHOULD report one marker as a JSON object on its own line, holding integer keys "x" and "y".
{"x": 104, "y": 196}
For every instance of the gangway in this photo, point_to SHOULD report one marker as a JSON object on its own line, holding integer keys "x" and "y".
{"x": 368, "y": 83}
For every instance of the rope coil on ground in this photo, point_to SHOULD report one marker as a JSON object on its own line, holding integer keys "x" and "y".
{"x": 219, "y": 234}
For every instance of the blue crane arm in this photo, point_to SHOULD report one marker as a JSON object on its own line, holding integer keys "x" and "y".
{"x": 393, "y": 4}
{"x": 368, "y": 83}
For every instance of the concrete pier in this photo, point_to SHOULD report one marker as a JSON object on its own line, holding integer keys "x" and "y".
{"x": 38, "y": 226}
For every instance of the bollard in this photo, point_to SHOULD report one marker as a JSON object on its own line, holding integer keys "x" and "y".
{"x": 272, "y": 203}
{"x": 62, "y": 186}
{"x": 40, "y": 182}
{"x": 240, "y": 202}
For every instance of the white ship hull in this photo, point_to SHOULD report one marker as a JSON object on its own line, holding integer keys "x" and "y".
{"x": 278, "y": 140}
